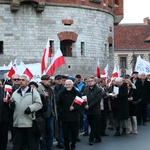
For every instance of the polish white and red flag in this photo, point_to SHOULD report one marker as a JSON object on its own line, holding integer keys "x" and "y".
{"x": 12, "y": 69}
{"x": 84, "y": 98}
{"x": 115, "y": 73}
{"x": 97, "y": 69}
{"x": 46, "y": 55}
{"x": 7, "y": 97}
{"x": 22, "y": 69}
{"x": 104, "y": 73}
{"x": 57, "y": 61}
{"x": 78, "y": 100}
{"x": 8, "y": 88}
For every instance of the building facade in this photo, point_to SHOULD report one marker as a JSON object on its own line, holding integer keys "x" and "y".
{"x": 130, "y": 41}
{"x": 82, "y": 29}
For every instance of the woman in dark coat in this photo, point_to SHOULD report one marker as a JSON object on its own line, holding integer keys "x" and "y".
{"x": 122, "y": 107}
{"x": 132, "y": 99}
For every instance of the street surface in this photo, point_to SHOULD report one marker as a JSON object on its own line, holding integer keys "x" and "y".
{"x": 129, "y": 142}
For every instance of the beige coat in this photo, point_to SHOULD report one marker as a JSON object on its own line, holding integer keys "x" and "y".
{"x": 20, "y": 119}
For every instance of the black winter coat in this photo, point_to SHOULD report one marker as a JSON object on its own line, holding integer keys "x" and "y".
{"x": 94, "y": 96}
{"x": 122, "y": 105}
{"x": 144, "y": 91}
{"x": 66, "y": 99}
{"x": 132, "y": 107}
{"x": 5, "y": 111}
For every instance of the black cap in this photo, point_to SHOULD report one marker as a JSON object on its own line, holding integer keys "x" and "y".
{"x": 78, "y": 76}
{"x": 64, "y": 77}
{"x": 33, "y": 83}
{"x": 58, "y": 77}
{"x": 45, "y": 77}
{"x": 135, "y": 72}
{"x": 127, "y": 76}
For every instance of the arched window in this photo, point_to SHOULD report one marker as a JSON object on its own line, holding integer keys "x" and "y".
{"x": 66, "y": 47}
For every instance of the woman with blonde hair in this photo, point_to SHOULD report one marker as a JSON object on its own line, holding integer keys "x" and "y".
{"x": 132, "y": 99}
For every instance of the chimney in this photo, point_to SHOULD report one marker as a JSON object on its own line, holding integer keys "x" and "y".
{"x": 146, "y": 21}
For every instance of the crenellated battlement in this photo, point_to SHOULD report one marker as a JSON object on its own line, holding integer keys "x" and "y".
{"x": 114, "y": 7}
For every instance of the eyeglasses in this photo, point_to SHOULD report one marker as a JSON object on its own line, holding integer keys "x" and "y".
{"x": 22, "y": 79}
{"x": 16, "y": 79}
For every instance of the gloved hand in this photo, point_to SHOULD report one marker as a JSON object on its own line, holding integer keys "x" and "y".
{"x": 27, "y": 111}
{"x": 12, "y": 104}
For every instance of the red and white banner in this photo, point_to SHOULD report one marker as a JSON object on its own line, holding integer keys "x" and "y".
{"x": 57, "y": 61}
{"x": 84, "y": 98}
{"x": 97, "y": 69}
{"x": 78, "y": 100}
{"x": 47, "y": 54}
{"x": 8, "y": 88}
{"x": 105, "y": 72}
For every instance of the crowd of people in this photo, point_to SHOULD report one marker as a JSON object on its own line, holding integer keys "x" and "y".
{"x": 69, "y": 105}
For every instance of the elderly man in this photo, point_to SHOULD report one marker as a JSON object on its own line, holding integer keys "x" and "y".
{"x": 25, "y": 101}
{"x": 122, "y": 107}
{"x": 49, "y": 116}
{"x": 69, "y": 113}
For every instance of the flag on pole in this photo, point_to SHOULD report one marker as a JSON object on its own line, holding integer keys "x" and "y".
{"x": 78, "y": 100}
{"x": 7, "y": 97}
{"x": 13, "y": 69}
{"x": 22, "y": 69}
{"x": 115, "y": 73}
{"x": 47, "y": 54}
{"x": 97, "y": 69}
{"x": 8, "y": 88}
{"x": 57, "y": 61}
{"x": 105, "y": 72}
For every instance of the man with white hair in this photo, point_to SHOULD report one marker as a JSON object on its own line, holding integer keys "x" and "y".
{"x": 69, "y": 113}
{"x": 122, "y": 108}
{"x": 24, "y": 101}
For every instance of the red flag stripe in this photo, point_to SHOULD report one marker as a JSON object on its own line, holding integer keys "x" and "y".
{"x": 57, "y": 61}
{"x": 28, "y": 73}
{"x": 78, "y": 100}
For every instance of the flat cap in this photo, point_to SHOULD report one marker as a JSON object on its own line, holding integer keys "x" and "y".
{"x": 135, "y": 72}
{"x": 78, "y": 76}
{"x": 45, "y": 77}
{"x": 58, "y": 77}
{"x": 127, "y": 76}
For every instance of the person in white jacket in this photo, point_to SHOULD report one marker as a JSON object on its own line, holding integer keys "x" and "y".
{"x": 25, "y": 101}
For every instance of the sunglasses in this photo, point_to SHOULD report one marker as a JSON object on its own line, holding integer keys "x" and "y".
{"x": 16, "y": 79}
{"x": 22, "y": 79}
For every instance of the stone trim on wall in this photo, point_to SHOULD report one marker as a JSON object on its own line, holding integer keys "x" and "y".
{"x": 68, "y": 36}
{"x": 15, "y": 4}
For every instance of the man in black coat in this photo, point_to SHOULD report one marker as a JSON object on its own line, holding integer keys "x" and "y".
{"x": 143, "y": 90}
{"x": 58, "y": 88}
{"x": 69, "y": 114}
{"x": 92, "y": 109}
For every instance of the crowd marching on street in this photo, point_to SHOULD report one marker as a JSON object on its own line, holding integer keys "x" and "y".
{"x": 62, "y": 107}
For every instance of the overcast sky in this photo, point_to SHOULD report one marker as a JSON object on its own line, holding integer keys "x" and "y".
{"x": 136, "y": 10}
